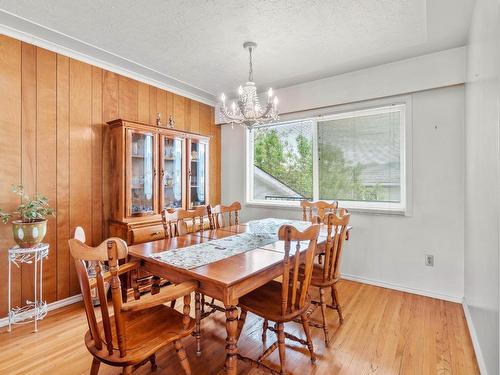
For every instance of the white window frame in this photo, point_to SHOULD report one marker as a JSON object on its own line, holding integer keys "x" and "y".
{"x": 402, "y": 103}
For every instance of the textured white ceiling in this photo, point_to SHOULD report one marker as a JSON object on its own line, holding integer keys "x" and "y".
{"x": 199, "y": 42}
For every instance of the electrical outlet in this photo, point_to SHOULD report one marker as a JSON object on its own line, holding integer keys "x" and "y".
{"x": 429, "y": 260}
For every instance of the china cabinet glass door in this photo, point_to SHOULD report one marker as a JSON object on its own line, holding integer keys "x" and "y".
{"x": 171, "y": 164}
{"x": 142, "y": 173}
{"x": 197, "y": 181}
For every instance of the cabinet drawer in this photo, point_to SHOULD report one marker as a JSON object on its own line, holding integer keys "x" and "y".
{"x": 145, "y": 234}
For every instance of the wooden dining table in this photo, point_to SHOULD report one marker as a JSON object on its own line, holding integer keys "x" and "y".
{"x": 227, "y": 279}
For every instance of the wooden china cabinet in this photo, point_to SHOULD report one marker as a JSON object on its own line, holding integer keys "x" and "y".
{"x": 152, "y": 168}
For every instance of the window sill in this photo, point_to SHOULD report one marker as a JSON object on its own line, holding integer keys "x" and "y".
{"x": 295, "y": 206}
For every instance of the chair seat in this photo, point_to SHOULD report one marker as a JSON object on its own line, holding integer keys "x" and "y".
{"x": 147, "y": 330}
{"x": 317, "y": 277}
{"x": 265, "y": 301}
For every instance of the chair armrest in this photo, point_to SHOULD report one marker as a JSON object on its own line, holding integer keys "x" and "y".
{"x": 129, "y": 266}
{"x": 168, "y": 294}
{"x": 124, "y": 268}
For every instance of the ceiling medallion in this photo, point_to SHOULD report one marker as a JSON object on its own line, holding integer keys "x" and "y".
{"x": 247, "y": 110}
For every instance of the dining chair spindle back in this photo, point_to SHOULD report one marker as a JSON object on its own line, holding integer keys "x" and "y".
{"x": 219, "y": 213}
{"x": 312, "y": 210}
{"x": 286, "y": 301}
{"x": 122, "y": 337}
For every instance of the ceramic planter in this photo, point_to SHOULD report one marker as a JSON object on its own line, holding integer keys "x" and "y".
{"x": 29, "y": 234}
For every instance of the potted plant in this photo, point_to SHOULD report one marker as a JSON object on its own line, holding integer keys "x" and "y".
{"x": 31, "y": 227}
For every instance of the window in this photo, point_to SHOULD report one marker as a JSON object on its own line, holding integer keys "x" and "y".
{"x": 355, "y": 157}
{"x": 283, "y": 161}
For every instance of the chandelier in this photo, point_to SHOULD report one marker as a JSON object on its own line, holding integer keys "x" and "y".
{"x": 247, "y": 110}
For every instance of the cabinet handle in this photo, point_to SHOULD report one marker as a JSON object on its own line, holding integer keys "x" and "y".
{"x": 155, "y": 233}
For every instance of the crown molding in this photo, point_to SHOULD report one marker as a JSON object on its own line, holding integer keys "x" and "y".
{"x": 33, "y": 33}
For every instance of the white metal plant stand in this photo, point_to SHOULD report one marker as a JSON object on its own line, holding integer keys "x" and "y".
{"x": 33, "y": 310}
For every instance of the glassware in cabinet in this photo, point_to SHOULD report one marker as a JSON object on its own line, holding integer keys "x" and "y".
{"x": 197, "y": 173}
{"x": 142, "y": 173}
{"x": 172, "y": 172}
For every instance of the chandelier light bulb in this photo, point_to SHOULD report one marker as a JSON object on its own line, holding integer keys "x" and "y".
{"x": 233, "y": 107}
{"x": 275, "y": 101}
{"x": 270, "y": 92}
{"x": 223, "y": 98}
{"x": 240, "y": 90}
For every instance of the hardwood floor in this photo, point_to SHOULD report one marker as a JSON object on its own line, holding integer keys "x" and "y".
{"x": 384, "y": 332}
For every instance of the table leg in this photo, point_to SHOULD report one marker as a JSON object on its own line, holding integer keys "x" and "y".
{"x": 197, "y": 332}
{"x": 231, "y": 365}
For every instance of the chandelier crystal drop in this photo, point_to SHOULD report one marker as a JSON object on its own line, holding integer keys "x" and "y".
{"x": 247, "y": 110}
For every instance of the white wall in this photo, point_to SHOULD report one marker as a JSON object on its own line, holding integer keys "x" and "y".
{"x": 482, "y": 184}
{"x": 440, "y": 69}
{"x": 387, "y": 248}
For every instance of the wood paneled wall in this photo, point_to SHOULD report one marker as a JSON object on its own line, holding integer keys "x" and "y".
{"x": 53, "y": 111}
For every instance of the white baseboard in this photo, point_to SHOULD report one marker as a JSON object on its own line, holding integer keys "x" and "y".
{"x": 51, "y": 306}
{"x": 475, "y": 340}
{"x": 401, "y": 288}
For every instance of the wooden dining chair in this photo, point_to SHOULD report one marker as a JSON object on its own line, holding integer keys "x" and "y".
{"x": 128, "y": 271}
{"x": 134, "y": 332}
{"x": 315, "y": 212}
{"x": 179, "y": 221}
{"x": 312, "y": 210}
{"x": 286, "y": 301}
{"x": 327, "y": 275}
{"x": 217, "y": 215}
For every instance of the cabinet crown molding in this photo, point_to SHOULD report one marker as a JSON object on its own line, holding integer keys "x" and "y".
{"x": 153, "y": 128}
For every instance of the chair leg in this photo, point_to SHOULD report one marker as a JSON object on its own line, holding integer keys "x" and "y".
{"x": 281, "y": 346}
{"x": 155, "y": 285}
{"x": 197, "y": 330}
{"x": 124, "y": 283}
{"x": 323, "y": 313}
{"x": 152, "y": 360}
{"x": 172, "y": 303}
{"x": 95, "y": 366}
{"x": 127, "y": 370}
{"x": 181, "y": 354}
{"x": 335, "y": 298}
{"x": 264, "y": 330}
{"x": 134, "y": 284}
{"x": 307, "y": 330}
{"x": 241, "y": 323}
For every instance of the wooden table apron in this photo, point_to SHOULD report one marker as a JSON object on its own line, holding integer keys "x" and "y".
{"x": 256, "y": 267}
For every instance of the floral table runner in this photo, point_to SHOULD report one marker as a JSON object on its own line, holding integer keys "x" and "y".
{"x": 212, "y": 251}
{"x": 262, "y": 233}
{"x": 272, "y": 225}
